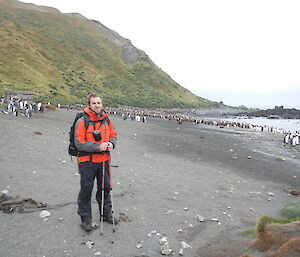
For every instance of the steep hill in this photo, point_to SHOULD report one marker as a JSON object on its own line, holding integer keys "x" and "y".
{"x": 63, "y": 57}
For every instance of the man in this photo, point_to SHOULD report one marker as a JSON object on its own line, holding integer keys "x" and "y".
{"x": 95, "y": 138}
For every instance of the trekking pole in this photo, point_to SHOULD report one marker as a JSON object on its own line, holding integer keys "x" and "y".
{"x": 102, "y": 192}
{"x": 102, "y": 199}
{"x": 111, "y": 193}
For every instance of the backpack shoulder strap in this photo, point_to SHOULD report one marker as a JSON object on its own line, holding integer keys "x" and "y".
{"x": 86, "y": 119}
{"x": 106, "y": 121}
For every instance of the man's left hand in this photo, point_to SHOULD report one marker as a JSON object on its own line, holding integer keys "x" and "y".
{"x": 109, "y": 146}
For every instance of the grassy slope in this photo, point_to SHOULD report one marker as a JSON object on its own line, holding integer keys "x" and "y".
{"x": 63, "y": 58}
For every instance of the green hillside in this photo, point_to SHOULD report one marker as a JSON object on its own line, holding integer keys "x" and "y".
{"x": 63, "y": 57}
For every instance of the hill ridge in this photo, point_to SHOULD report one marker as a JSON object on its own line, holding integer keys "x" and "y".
{"x": 63, "y": 57}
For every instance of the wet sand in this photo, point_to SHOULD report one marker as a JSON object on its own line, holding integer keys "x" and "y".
{"x": 166, "y": 174}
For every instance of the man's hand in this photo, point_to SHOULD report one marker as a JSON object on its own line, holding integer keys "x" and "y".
{"x": 106, "y": 147}
{"x": 109, "y": 146}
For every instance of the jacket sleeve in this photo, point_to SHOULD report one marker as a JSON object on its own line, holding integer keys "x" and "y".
{"x": 112, "y": 134}
{"x": 80, "y": 139}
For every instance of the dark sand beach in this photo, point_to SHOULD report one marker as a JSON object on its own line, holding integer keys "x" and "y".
{"x": 166, "y": 175}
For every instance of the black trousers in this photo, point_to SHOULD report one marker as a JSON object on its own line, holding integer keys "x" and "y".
{"x": 88, "y": 172}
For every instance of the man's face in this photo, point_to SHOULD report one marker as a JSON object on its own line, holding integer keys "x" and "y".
{"x": 96, "y": 104}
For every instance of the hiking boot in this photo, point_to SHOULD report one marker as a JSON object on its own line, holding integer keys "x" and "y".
{"x": 87, "y": 226}
{"x": 107, "y": 214}
{"x": 110, "y": 220}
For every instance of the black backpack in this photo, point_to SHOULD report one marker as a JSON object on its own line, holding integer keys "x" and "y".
{"x": 72, "y": 150}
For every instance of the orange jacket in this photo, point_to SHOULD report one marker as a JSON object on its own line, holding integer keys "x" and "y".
{"x": 84, "y": 138}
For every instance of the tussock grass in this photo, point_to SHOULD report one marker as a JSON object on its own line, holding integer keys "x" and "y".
{"x": 248, "y": 232}
{"x": 264, "y": 220}
{"x": 291, "y": 210}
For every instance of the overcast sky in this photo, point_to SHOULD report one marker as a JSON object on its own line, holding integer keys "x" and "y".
{"x": 235, "y": 51}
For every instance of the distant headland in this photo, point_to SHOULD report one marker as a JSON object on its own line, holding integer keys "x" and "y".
{"x": 279, "y": 112}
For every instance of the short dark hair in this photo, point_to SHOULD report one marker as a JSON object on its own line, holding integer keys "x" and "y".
{"x": 94, "y": 96}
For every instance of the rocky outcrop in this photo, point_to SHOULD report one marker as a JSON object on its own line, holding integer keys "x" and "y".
{"x": 278, "y": 240}
{"x": 273, "y": 240}
{"x": 130, "y": 54}
{"x": 276, "y": 113}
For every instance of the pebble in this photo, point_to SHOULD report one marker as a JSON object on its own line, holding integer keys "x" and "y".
{"x": 185, "y": 245}
{"x": 44, "y": 214}
{"x": 89, "y": 244}
{"x": 165, "y": 249}
{"x": 169, "y": 212}
{"x": 5, "y": 192}
{"x": 163, "y": 240}
{"x": 199, "y": 218}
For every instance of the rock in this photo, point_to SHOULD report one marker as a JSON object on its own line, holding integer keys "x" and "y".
{"x": 139, "y": 246}
{"x": 180, "y": 252}
{"x": 5, "y": 192}
{"x": 279, "y": 240}
{"x": 165, "y": 249}
{"x": 98, "y": 253}
{"x": 163, "y": 240}
{"x": 290, "y": 249}
{"x": 199, "y": 218}
{"x": 89, "y": 244}
{"x": 169, "y": 212}
{"x": 185, "y": 245}
{"x": 44, "y": 214}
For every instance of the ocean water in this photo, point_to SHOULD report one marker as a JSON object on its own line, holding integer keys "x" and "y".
{"x": 291, "y": 125}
